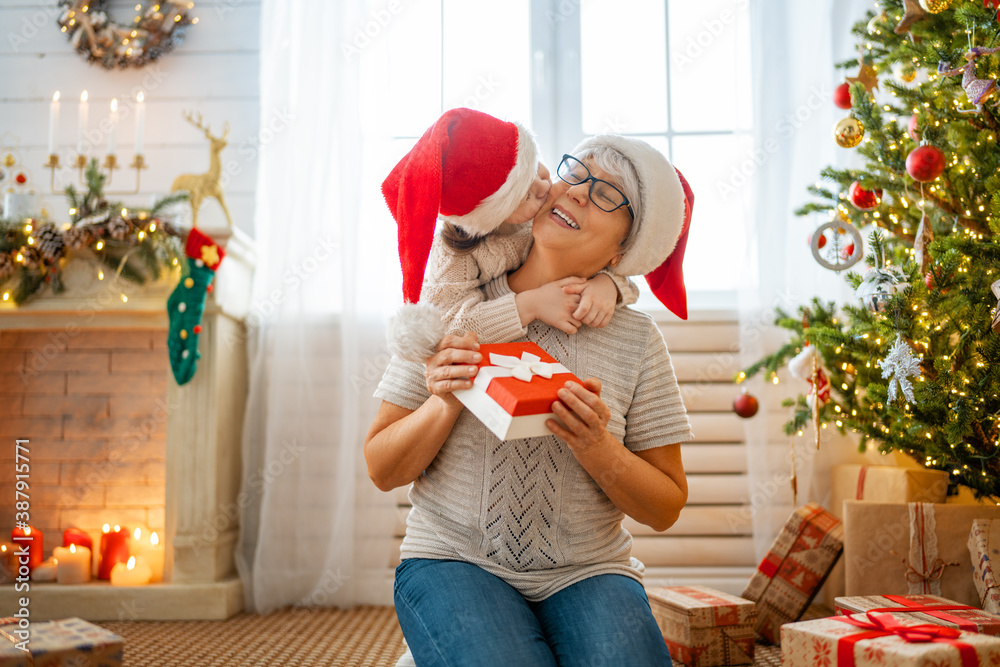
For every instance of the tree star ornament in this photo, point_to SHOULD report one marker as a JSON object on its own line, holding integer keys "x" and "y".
{"x": 187, "y": 304}
{"x": 912, "y": 12}
{"x": 898, "y": 367}
{"x": 867, "y": 77}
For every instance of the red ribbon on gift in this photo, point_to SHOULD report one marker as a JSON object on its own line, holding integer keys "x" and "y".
{"x": 884, "y": 625}
{"x": 913, "y": 605}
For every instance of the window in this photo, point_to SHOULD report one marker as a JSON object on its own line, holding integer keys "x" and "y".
{"x": 676, "y": 74}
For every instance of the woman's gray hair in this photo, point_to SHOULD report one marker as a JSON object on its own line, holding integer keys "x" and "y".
{"x": 620, "y": 169}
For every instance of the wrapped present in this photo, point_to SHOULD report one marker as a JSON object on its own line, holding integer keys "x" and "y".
{"x": 881, "y": 484}
{"x": 515, "y": 388}
{"x": 794, "y": 568}
{"x": 984, "y": 548}
{"x": 924, "y": 609}
{"x": 69, "y": 641}
{"x": 911, "y": 549}
{"x": 867, "y": 640}
{"x": 704, "y": 627}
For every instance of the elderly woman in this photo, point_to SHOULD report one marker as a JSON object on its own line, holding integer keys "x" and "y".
{"x": 514, "y": 551}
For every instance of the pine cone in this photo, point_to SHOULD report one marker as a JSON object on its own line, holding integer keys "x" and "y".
{"x": 32, "y": 258}
{"x": 80, "y": 236}
{"x": 118, "y": 228}
{"x": 50, "y": 243}
{"x": 7, "y": 266}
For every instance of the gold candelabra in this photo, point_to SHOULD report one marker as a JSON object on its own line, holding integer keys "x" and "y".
{"x": 110, "y": 165}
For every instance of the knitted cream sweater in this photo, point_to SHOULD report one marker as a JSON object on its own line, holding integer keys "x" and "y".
{"x": 526, "y": 510}
{"x": 453, "y": 282}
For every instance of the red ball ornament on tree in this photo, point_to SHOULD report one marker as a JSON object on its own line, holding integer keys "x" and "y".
{"x": 911, "y": 128}
{"x": 864, "y": 200}
{"x": 842, "y": 96}
{"x": 21, "y": 179}
{"x": 745, "y": 405}
{"x": 925, "y": 163}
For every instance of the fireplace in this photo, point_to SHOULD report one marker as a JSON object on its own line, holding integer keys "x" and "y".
{"x": 84, "y": 377}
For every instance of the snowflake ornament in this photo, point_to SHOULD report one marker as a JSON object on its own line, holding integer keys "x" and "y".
{"x": 900, "y": 365}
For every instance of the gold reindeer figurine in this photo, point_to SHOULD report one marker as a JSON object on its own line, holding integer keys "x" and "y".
{"x": 209, "y": 184}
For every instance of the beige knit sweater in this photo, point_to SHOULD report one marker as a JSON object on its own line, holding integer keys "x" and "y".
{"x": 526, "y": 510}
{"x": 453, "y": 282}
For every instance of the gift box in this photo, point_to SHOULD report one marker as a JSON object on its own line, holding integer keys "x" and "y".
{"x": 69, "y": 641}
{"x": 911, "y": 549}
{"x": 703, "y": 627}
{"x": 867, "y": 640}
{"x": 514, "y": 389}
{"x": 794, "y": 568}
{"x": 984, "y": 548}
{"x": 924, "y": 609}
{"x": 880, "y": 484}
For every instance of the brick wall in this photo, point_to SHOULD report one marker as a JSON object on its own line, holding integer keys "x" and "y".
{"x": 93, "y": 405}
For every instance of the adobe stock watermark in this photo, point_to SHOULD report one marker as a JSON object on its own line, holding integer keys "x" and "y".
{"x": 43, "y": 18}
{"x": 328, "y": 586}
{"x": 363, "y": 35}
{"x": 249, "y": 148}
{"x": 786, "y": 126}
{"x": 701, "y": 41}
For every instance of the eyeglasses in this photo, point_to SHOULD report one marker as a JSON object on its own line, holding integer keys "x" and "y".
{"x": 604, "y": 195}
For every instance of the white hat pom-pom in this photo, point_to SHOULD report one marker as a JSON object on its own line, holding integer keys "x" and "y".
{"x": 415, "y": 331}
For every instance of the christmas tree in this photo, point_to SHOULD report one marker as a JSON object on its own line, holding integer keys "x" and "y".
{"x": 913, "y": 363}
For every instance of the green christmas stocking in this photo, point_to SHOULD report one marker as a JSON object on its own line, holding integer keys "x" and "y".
{"x": 186, "y": 304}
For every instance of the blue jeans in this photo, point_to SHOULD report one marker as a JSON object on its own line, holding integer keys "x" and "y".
{"x": 456, "y": 614}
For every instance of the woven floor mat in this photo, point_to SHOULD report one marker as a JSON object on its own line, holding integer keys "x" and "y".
{"x": 363, "y": 637}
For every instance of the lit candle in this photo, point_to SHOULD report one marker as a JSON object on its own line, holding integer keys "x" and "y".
{"x": 140, "y": 121}
{"x": 8, "y": 562}
{"x": 133, "y": 573}
{"x": 45, "y": 571}
{"x": 151, "y": 551}
{"x": 53, "y": 122}
{"x": 72, "y": 564}
{"x": 114, "y": 126}
{"x": 82, "y": 113}
{"x": 31, "y": 539}
{"x": 114, "y": 550}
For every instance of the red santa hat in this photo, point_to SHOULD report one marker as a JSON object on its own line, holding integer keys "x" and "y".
{"x": 663, "y": 216}
{"x": 471, "y": 169}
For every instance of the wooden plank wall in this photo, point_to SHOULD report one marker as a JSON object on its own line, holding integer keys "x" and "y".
{"x": 213, "y": 72}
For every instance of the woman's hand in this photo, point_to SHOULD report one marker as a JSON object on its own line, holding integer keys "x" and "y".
{"x": 583, "y": 412}
{"x": 452, "y": 366}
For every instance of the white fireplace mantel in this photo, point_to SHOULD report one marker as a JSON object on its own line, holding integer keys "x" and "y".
{"x": 204, "y": 423}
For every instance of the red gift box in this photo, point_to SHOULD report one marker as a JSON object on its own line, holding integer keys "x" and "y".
{"x": 795, "y": 567}
{"x": 515, "y": 388}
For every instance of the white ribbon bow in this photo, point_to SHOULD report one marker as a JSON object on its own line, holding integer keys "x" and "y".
{"x": 523, "y": 368}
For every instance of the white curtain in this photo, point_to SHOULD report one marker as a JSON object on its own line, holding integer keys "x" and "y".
{"x": 795, "y": 45}
{"x": 314, "y": 530}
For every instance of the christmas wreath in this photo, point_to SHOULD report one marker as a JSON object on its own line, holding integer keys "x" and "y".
{"x": 97, "y": 37}
{"x": 135, "y": 244}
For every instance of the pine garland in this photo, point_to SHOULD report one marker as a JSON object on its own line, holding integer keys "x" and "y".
{"x": 132, "y": 243}
{"x": 945, "y": 313}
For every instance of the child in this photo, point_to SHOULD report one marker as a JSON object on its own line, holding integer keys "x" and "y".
{"x": 483, "y": 177}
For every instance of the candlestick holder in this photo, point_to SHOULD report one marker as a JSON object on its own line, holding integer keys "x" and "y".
{"x": 110, "y": 165}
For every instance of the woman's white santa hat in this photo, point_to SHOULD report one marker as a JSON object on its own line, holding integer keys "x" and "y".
{"x": 470, "y": 168}
{"x": 656, "y": 250}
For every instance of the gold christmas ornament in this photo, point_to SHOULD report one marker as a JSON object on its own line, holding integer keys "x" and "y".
{"x": 848, "y": 132}
{"x": 908, "y": 75}
{"x": 209, "y": 184}
{"x": 935, "y": 6}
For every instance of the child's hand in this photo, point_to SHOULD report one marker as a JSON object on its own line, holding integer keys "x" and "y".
{"x": 598, "y": 297}
{"x": 551, "y": 304}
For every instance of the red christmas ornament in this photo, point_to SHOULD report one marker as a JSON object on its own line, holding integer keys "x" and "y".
{"x": 864, "y": 200}
{"x": 197, "y": 328}
{"x": 745, "y": 405}
{"x": 925, "y": 163}
{"x": 929, "y": 280}
{"x": 21, "y": 179}
{"x": 842, "y": 96}
{"x": 820, "y": 243}
{"x": 911, "y": 128}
